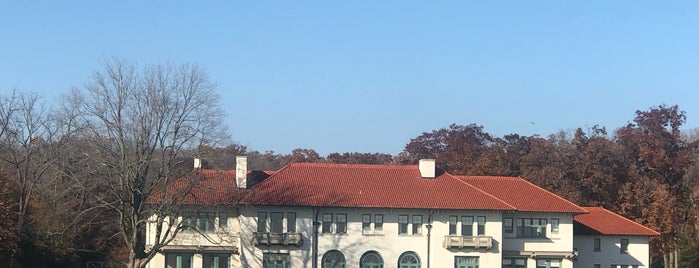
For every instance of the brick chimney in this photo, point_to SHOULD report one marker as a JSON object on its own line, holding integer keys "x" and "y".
{"x": 427, "y": 168}
{"x": 241, "y": 172}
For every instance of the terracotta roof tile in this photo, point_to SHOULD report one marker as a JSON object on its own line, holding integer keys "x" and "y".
{"x": 523, "y": 195}
{"x": 206, "y": 187}
{"x": 351, "y": 185}
{"x": 605, "y": 222}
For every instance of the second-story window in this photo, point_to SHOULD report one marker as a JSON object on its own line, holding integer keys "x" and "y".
{"x": 531, "y": 227}
{"x": 554, "y": 225}
{"x": 378, "y": 223}
{"x": 261, "y": 222}
{"x": 341, "y": 226}
{"x": 508, "y": 226}
{"x": 291, "y": 222}
{"x": 205, "y": 221}
{"x": 276, "y": 222}
{"x": 453, "y": 220}
{"x": 467, "y": 225}
{"x": 417, "y": 224}
{"x": 481, "y": 225}
{"x": 223, "y": 219}
{"x": 366, "y": 223}
{"x": 597, "y": 245}
{"x": 624, "y": 246}
{"x": 327, "y": 223}
{"x": 402, "y": 224}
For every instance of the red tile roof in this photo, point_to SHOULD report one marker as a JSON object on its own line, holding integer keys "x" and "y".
{"x": 523, "y": 195}
{"x": 205, "y": 187}
{"x": 350, "y": 185}
{"x": 602, "y": 221}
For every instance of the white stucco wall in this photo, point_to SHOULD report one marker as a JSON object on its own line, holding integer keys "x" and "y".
{"x": 221, "y": 237}
{"x": 541, "y": 247}
{"x": 610, "y": 251}
{"x": 354, "y": 243}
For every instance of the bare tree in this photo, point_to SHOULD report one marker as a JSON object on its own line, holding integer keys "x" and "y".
{"x": 26, "y": 149}
{"x": 137, "y": 124}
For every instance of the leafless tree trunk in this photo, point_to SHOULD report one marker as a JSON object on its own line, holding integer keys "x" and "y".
{"x": 138, "y": 123}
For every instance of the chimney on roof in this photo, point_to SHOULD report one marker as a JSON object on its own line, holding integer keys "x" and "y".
{"x": 427, "y": 168}
{"x": 197, "y": 163}
{"x": 241, "y": 172}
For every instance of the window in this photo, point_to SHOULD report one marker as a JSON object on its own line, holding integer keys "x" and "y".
{"x": 341, "y": 223}
{"x": 597, "y": 266}
{"x": 275, "y": 260}
{"x": 333, "y": 259}
{"x": 508, "y": 226}
{"x": 548, "y": 263}
{"x": 531, "y": 227}
{"x": 624, "y": 246}
{"x": 466, "y": 225}
{"x": 179, "y": 259}
{"x": 261, "y": 222}
{"x": 371, "y": 259}
{"x": 514, "y": 263}
{"x": 597, "y": 245}
{"x": 453, "y": 220}
{"x": 327, "y": 223}
{"x": 216, "y": 260}
{"x": 223, "y": 219}
{"x": 554, "y": 225}
{"x": 291, "y": 222}
{"x": 481, "y": 225}
{"x": 408, "y": 260}
{"x": 366, "y": 223}
{"x": 378, "y": 222}
{"x": 465, "y": 262}
{"x": 402, "y": 224}
{"x": 187, "y": 224}
{"x": 417, "y": 224}
{"x": 205, "y": 221}
{"x": 276, "y": 222}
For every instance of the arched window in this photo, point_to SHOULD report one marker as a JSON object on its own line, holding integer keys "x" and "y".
{"x": 371, "y": 259}
{"x": 333, "y": 259}
{"x": 408, "y": 259}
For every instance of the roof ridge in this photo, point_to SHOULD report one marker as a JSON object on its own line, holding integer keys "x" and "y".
{"x": 480, "y": 190}
{"x": 557, "y": 196}
{"x": 624, "y": 218}
{"x": 381, "y": 166}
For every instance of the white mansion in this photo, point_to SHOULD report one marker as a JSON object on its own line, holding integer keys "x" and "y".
{"x": 315, "y": 215}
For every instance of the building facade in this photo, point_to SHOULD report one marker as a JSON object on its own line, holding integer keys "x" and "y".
{"x": 606, "y": 239}
{"x": 337, "y": 215}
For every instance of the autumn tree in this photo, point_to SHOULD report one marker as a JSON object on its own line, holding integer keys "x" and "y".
{"x": 8, "y": 219}
{"x": 659, "y": 157}
{"x": 137, "y": 124}
{"x": 359, "y": 158}
{"x": 503, "y": 157}
{"x": 456, "y": 148}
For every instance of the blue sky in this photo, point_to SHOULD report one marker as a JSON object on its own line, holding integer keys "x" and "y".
{"x": 367, "y": 76}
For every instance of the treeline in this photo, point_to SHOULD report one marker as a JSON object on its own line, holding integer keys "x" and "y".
{"x": 74, "y": 178}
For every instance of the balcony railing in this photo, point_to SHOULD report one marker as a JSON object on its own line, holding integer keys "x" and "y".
{"x": 476, "y": 242}
{"x": 277, "y": 239}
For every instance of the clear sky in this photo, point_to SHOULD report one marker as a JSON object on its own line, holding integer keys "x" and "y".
{"x": 366, "y": 76}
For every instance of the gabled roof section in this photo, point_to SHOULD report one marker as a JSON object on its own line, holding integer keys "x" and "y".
{"x": 385, "y": 186}
{"x": 204, "y": 187}
{"x": 601, "y": 221}
{"x": 523, "y": 195}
